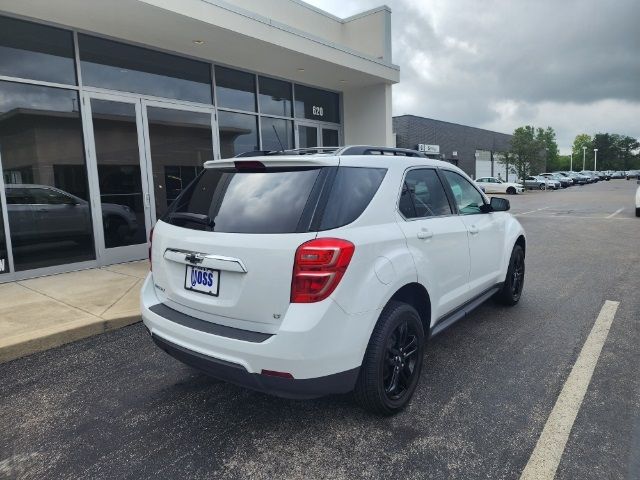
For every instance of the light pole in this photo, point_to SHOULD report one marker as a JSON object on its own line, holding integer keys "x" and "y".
{"x": 584, "y": 152}
{"x": 595, "y": 159}
{"x": 571, "y": 161}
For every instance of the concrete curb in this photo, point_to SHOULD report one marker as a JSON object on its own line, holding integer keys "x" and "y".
{"x": 44, "y": 339}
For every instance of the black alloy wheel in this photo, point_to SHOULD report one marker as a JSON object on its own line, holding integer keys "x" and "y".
{"x": 511, "y": 191}
{"x": 401, "y": 361}
{"x": 511, "y": 290}
{"x": 392, "y": 363}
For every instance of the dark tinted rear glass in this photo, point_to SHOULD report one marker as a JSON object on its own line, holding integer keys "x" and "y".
{"x": 352, "y": 190}
{"x": 226, "y": 200}
{"x": 275, "y": 200}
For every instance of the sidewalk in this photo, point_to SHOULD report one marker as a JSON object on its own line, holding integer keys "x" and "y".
{"x": 46, "y": 312}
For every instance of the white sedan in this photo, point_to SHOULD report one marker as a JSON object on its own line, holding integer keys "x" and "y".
{"x": 495, "y": 185}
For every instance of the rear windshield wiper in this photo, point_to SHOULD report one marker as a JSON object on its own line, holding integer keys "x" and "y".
{"x": 198, "y": 218}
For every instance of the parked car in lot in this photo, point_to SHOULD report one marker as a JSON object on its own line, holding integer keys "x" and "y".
{"x": 633, "y": 174}
{"x": 305, "y": 275}
{"x": 603, "y": 175}
{"x": 619, "y": 174}
{"x": 564, "y": 182}
{"x": 582, "y": 179}
{"x": 577, "y": 178}
{"x": 593, "y": 178}
{"x": 566, "y": 176}
{"x": 496, "y": 185}
{"x": 536, "y": 182}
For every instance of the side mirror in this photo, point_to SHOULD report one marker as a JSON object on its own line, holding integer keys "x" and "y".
{"x": 500, "y": 204}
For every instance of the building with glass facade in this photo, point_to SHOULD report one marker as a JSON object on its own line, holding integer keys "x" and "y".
{"x": 109, "y": 109}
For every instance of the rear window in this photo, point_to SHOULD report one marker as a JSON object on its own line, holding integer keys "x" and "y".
{"x": 275, "y": 200}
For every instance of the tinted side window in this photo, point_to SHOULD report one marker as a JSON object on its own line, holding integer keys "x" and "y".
{"x": 423, "y": 195}
{"x": 468, "y": 199}
{"x": 352, "y": 191}
{"x": 46, "y": 196}
{"x": 19, "y": 196}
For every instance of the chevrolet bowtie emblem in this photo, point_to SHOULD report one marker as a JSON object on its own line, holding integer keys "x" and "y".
{"x": 194, "y": 258}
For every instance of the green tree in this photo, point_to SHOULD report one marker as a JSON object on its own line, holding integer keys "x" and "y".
{"x": 582, "y": 140}
{"x": 526, "y": 147}
{"x": 626, "y": 151}
{"x": 549, "y": 143}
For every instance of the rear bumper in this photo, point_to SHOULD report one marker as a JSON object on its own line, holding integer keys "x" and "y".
{"x": 319, "y": 345}
{"x": 307, "y": 388}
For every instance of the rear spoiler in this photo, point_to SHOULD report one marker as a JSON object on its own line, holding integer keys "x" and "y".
{"x": 275, "y": 162}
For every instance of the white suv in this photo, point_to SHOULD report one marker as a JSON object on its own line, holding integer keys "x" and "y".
{"x": 306, "y": 275}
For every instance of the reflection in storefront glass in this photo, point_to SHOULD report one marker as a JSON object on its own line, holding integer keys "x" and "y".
{"x": 181, "y": 141}
{"x": 38, "y": 52}
{"x": 118, "y": 66}
{"x": 116, "y": 137}
{"x": 275, "y": 97}
{"x": 235, "y": 89}
{"x": 238, "y": 133}
{"x": 277, "y": 134}
{"x": 45, "y": 176}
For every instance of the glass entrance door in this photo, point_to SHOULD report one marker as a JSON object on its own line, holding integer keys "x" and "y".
{"x": 117, "y": 166}
{"x": 307, "y": 136}
{"x": 142, "y": 153}
{"x": 312, "y": 135}
{"x": 179, "y": 141}
{"x": 330, "y": 137}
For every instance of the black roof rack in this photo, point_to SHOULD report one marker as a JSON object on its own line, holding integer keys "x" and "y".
{"x": 348, "y": 150}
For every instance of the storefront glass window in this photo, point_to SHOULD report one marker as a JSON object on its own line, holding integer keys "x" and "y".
{"x": 38, "y": 52}
{"x": 277, "y": 134}
{"x": 315, "y": 104}
{"x": 235, "y": 89}
{"x": 238, "y": 133}
{"x": 41, "y": 149}
{"x": 117, "y": 66}
{"x": 275, "y": 97}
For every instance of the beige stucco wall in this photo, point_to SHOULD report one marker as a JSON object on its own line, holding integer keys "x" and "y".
{"x": 367, "y": 117}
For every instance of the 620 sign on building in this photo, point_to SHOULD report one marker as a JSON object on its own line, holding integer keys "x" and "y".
{"x": 318, "y": 111}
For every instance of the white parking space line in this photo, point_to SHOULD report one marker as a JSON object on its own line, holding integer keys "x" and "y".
{"x": 532, "y": 211}
{"x": 580, "y": 217}
{"x": 616, "y": 212}
{"x": 545, "y": 458}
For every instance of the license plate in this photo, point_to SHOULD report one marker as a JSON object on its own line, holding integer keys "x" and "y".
{"x": 202, "y": 280}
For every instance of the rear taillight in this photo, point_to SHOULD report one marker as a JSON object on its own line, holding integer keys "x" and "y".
{"x": 318, "y": 268}
{"x": 150, "y": 244}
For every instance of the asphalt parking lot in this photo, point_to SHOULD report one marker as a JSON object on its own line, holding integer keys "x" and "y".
{"x": 115, "y": 406}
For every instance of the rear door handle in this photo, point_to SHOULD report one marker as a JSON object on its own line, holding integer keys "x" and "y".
{"x": 425, "y": 234}
{"x": 473, "y": 230}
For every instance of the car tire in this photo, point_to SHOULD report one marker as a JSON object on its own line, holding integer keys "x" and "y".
{"x": 388, "y": 375}
{"x": 542, "y": 186}
{"x": 511, "y": 290}
{"x": 511, "y": 191}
